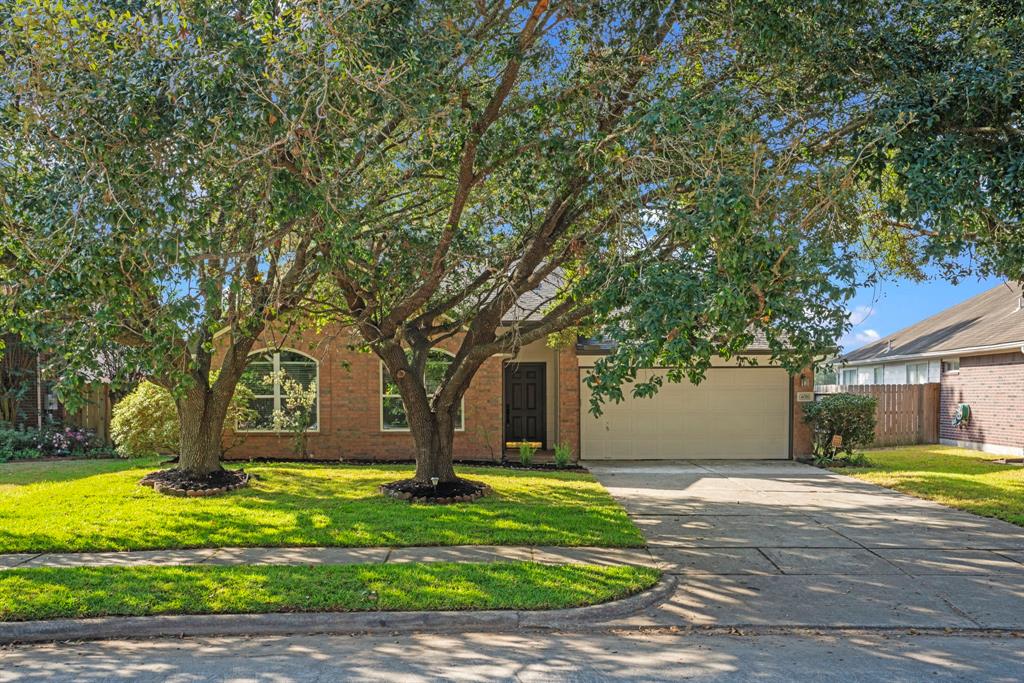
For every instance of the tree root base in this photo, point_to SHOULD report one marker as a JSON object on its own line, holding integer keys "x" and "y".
{"x": 177, "y": 483}
{"x": 445, "y": 493}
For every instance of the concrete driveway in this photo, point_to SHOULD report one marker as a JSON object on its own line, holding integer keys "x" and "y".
{"x": 785, "y": 544}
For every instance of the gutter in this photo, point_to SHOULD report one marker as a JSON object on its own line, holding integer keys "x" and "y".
{"x": 1005, "y": 346}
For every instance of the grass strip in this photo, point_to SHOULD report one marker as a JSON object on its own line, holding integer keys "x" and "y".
{"x": 50, "y": 593}
{"x": 957, "y": 477}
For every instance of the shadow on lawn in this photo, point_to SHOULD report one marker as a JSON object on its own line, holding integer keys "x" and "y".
{"x": 315, "y": 505}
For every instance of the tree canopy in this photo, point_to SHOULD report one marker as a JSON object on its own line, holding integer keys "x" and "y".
{"x": 683, "y": 177}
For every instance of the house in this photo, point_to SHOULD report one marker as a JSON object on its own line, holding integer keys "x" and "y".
{"x": 538, "y": 395}
{"x": 975, "y": 350}
{"x": 24, "y": 401}
{"x": 28, "y": 401}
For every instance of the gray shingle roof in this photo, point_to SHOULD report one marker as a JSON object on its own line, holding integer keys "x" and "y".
{"x": 991, "y": 318}
{"x": 532, "y": 305}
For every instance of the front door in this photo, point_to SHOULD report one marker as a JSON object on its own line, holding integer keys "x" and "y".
{"x": 525, "y": 407}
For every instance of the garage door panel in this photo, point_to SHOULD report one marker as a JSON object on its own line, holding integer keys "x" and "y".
{"x": 733, "y": 413}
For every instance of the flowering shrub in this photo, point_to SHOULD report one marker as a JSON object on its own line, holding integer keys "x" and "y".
{"x": 65, "y": 441}
{"x": 51, "y": 441}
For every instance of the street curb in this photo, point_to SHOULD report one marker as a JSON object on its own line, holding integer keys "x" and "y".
{"x": 298, "y": 623}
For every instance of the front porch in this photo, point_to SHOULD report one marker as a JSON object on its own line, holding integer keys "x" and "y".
{"x": 540, "y": 402}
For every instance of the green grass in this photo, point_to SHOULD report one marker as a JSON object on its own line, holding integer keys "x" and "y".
{"x": 27, "y": 594}
{"x": 98, "y": 505}
{"x": 957, "y": 477}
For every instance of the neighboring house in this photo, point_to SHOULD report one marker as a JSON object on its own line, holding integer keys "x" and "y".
{"x": 975, "y": 350}
{"x": 538, "y": 395}
{"x": 27, "y": 400}
{"x": 23, "y": 398}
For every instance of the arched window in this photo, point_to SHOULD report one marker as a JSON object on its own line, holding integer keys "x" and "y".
{"x": 392, "y": 409}
{"x": 286, "y": 392}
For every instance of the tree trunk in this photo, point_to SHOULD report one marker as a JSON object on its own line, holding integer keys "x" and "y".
{"x": 201, "y": 415}
{"x": 434, "y": 436}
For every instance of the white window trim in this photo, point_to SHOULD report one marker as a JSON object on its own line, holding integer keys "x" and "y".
{"x": 942, "y": 363}
{"x": 381, "y": 396}
{"x": 919, "y": 365}
{"x": 276, "y": 355}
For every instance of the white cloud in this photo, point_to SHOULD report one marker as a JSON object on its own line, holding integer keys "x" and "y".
{"x": 857, "y": 336}
{"x": 860, "y": 314}
{"x": 867, "y": 336}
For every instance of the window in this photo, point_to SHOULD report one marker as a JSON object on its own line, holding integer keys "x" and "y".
{"x": 392, "y": 409}
{"x": 950, "y": 365}
{"x": 917, "y": 373}
{"x": 283, "y": 384}
{"x": 879, "y": 376}
{"x": 850, "y": 376}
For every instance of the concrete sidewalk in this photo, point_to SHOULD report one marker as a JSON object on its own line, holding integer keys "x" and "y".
{"x": 783, "y": 544}
{"x": 314, "y": 556}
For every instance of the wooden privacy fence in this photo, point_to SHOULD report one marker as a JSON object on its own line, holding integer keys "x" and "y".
{"x": 95, "y": 414}
{"x": 904, "y": 414}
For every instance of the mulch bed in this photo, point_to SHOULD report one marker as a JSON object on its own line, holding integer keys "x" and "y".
{"x": 177, "y": 483}
{"x": 508, "y": 464}
{"x": 542, "y": 467}
{"x": 445, "y": 493}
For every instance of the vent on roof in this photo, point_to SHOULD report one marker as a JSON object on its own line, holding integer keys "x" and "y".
{"x": 888, "y": 346}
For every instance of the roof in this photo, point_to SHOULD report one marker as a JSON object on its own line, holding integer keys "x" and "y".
{"x": 992, "y": 319}
{"x": 599, "y": 346}
{"x": 534, "y": 304}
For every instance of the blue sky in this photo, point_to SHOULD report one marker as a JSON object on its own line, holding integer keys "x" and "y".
{"x": 894, "y": 304}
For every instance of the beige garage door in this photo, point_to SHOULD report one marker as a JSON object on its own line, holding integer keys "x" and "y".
{"x": 733, "y": 413}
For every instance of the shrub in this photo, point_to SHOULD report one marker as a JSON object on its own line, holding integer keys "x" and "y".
{"x": 17, "y": 444}
{"x": 563, "y": 454}
{"x": 526, "y": 452}
{"x": 51, "y": 441}
{"x": 848, "y": 416}
{"x": 145, "y": 422}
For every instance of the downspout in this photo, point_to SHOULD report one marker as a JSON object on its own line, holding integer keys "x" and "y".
{"x": 39, "y": 392}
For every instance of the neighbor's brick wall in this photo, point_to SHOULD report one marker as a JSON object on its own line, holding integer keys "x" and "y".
{"x": 350, "y": 410}
{"x": 569, "y": 399}
{"x": 993, "y": 386}
{"x": 27, "y": 409}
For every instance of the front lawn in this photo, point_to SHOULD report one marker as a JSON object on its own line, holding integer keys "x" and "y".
{"x": 27, "y": 594}
{"x": 98, "y": 505}
{"x": 956, "y": 477}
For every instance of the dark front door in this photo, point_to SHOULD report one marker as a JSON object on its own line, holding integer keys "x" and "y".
{"x": 525, "y": 407}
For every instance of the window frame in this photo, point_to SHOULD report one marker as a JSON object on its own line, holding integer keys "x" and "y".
{"x": 879, "y": 375}
{"x": 953, "y": 371}
{"x": 917, "y": 366}
{"x": 381, "y": 396}
{"x": 843, "y": 377}
{"x": 276, "y": 396}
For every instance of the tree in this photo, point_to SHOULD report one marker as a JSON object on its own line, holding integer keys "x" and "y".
{"x": 149, "y": 200}
{"x": 659, "y": 169}
{"x": 681, "y": 177}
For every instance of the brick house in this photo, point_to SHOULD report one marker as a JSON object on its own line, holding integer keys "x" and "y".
{"x": 23, "y": 398}
{"x": 975, "y": 350}
{"x": 538, "y": 395}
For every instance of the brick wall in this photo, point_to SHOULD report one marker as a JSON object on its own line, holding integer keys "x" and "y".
{"x": 993, "y": 386}
{"x": 350, "y": 411}
{"x": 801, "y": 441}
{"x": 18, "y": 363}
{"x": 569, "y": 399}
